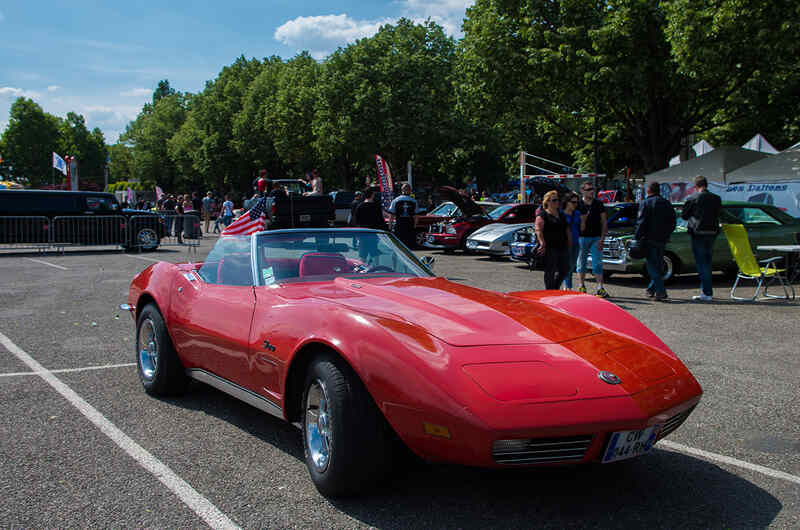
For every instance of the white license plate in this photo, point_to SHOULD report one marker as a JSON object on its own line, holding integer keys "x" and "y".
{"x": 628, "y": 444}
{"x": 305, "y": 218}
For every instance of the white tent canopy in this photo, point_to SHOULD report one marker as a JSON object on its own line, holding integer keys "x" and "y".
{"x": 714, "y": 165}
{"x": 759, "y": 143}
{"x": 782, "y": 167}
{"x": 700, "y": 148}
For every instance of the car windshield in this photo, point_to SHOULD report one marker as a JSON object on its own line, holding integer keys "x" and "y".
{"x": 500, "y": 210}
{"x": 445, "y": 209}
{"x": 228, "y": 263}
{"x": 288, "y": 256}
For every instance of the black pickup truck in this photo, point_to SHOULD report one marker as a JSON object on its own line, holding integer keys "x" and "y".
{"x": 296, "y": 210}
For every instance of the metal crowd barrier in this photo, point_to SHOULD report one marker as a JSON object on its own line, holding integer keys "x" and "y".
{"x": 94, "y": 230}
{"x": 142, "y": 232}
{"x": 180, "y": 230}
{"x": 25, "y": 233}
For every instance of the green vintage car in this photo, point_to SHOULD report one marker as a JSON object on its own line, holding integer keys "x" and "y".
{"x": 765, "y": 225}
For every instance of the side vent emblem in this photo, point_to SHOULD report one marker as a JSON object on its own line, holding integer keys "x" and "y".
{"x": 608, "y": 377}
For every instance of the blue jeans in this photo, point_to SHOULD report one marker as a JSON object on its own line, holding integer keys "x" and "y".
{"x": 655, "y": 267}
{"x": 702, "y": 246}
{"x": 588, "y": 245}
{"x": 573, "y": 262}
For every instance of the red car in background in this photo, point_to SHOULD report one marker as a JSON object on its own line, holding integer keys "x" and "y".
{"x": 452, "y": 234}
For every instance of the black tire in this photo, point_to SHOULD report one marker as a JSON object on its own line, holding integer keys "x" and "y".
{"x": 160, "y": 370}
{"x": 145, "y": 238}
{"x": 357, "y": 449}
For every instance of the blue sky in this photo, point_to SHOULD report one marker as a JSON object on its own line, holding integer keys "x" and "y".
{"x": 103, "y": 59}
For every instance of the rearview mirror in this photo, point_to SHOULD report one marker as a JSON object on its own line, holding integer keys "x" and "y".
{"x": 428, "y": 261}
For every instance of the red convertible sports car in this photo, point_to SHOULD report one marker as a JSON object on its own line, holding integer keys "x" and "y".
{"x": 347, "y": 333}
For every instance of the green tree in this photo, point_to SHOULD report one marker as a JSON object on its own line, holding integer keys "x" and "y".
{"x": 29, "y": 141}
{"x": 88, "y": 147}
{"x": 289, "y": 113}
{"x": 148, "y": 135}
{"x": 253, "y": 140}
{"x": 636, "y": 76}
{"x": 213, "y": 150}
{"x": 391, "y": 94}
{"x": 163, "y": 90}
{"x": 121, "y": 165}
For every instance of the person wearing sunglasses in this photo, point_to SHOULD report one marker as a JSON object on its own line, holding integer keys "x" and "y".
{"x": 594, "y": 226}
{"x": 573, "y": 217}
{"x": 554, "y": 239}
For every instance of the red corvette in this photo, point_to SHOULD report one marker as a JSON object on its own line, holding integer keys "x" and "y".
{"x": 349, "y": 334}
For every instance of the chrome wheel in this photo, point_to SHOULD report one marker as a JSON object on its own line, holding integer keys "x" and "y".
{"x": 147, "y": 238}
{"x": 317, "y": 425}
{"x": 669, "y": 267}
{"x": 148, "y": 349}
{"x": 420, "y": 238}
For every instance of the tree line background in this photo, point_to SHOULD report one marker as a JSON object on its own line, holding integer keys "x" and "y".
{"x": 625, "y": 82}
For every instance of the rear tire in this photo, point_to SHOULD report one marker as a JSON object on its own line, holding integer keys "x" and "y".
{"x": 347, "y": 442}
{"x": 160, "y": 370}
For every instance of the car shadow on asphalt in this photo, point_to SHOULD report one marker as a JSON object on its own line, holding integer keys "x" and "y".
{"x": 635, "y": 493}
{"x": 632, "y": 494}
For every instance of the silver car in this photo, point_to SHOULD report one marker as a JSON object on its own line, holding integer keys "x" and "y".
{"x": 494, "y": 239}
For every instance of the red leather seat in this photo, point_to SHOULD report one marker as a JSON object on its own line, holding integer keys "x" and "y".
{"x": 322, "y": 263}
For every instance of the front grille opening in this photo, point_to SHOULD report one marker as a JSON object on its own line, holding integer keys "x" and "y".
{"x": 674, "y": 422}
{"x": 541, "y": 450}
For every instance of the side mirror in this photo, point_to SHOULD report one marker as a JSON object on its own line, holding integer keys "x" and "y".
{"x": 428, "y": 261}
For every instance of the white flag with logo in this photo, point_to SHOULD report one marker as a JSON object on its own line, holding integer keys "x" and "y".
{"x": 59, "y": 163}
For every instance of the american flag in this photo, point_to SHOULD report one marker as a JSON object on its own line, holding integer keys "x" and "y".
{"x": 252, "y": 221}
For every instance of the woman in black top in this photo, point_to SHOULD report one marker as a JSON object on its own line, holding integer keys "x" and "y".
{"x": 552, "y": 232}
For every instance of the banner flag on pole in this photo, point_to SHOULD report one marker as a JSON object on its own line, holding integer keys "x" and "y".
{"x": 59, "y": 163}
{"x": 385, "y": 180}
{"x": 159, "y": 193}
{"x": 252, "y": 221}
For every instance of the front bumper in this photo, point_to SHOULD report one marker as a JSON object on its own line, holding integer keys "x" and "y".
{"x": 443, "y": 241}
{"x": 477, "y": 445}
{"x": 493, "y": 248}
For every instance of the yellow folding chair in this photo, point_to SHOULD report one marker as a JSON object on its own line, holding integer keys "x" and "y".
{"x": 749, "y": 268}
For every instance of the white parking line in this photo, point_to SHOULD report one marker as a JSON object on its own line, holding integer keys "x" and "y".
{"x": 183, "y": 490}
{"x": 48, "y": 264}
{"x": 714, "y": 457}
{"x": 68, "y": 370}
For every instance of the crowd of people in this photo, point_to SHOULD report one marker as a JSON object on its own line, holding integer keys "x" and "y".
{"x": 570, "y": 229}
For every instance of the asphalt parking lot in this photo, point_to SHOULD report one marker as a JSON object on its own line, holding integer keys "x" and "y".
{"x": 81, "y": 443}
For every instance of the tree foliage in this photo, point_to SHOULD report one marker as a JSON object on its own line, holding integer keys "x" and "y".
{"x": 28, "y": 142}
{"x": 644, "y": 74}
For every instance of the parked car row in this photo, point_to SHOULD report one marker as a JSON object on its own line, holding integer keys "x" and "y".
{"x": 507, "y": 231}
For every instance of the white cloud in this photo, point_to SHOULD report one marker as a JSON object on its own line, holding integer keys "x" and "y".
{"x": 322, "y": 34}
{"x": 447, "y": 13}
{"x": 137, "y": 93}
{"x": 12, "y": 92}
{"x": 53, "y": 88}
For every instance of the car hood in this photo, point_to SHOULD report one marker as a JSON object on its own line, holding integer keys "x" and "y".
{"x": 466, "y": 205}
{"x": 495, "y": 230}
{"x": 458, "y": 314}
